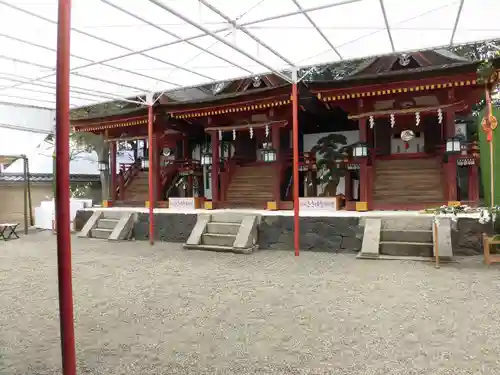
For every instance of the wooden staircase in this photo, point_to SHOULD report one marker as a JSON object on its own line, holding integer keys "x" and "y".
{"x": 408, "y": 181}
{"x": 138, "y": 188}
{"x": 251, "y": 186}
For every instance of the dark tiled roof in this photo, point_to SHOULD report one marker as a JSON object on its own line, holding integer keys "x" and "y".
{"x": 229, "y": 96}
{"x": 46, "y": 177}
{"x": 107, "y": 115}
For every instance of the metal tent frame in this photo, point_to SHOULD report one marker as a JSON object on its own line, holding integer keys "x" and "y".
{"x": 227, "y": 40}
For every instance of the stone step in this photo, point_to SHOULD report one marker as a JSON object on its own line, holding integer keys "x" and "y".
{"x": 431, "y": 201}
{"x": 223, "y": 228}
{"x": 255, "y": 204}
{"x": 409, "y": 197}
{"x": 391, "y": 169}
{"x": 409, "y": 188}
{"x": 249, "y": 197}
{"x": 100, "y": 233}
{"x": 227, "y": 217}
{"x": 410, "y": 235}
{"x": 253, "y": 188}
{"x": 395, "y": 248}
{"x": 218, "y": 248}
{"x": 218, "y": 239}
{"x": 107, "y": 223}
{"x": 402, "y": 223}
{"x": 110, "y": 214}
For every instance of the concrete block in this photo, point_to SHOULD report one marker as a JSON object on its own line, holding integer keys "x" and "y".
{"x": 90, "y": 224}
{"x": 371, "y": 237}
{"x": 407, "y": 235}
{"x": 123, "y": 228}
{"x": 227, "y": 217}
{"x": 198, "y": 230}
{"x": 247, "y": 234}
{"x": 100, "y": 233}
{"x": 218, "y": 239}
{"x": 402, "y": 223}
{"x": 415, "y": 249}
{"x": 107, "y": 223}
{"x": 111, "y": 214}
{"x": 223, "y": 228}
{"x": 445, "y": 248}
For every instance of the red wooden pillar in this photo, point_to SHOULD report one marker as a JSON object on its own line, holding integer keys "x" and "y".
{"x": 215, "y": 167}
{"x": 151, "y": 174}
{"x": 62, "y": 198}
{"x": 348, "y": 186}
{"x": 114, "y": 186}
{"x": 276, "y": 140}
{"x": 363, "y": 181}
{"x": 157, "y": 167}
{"x": 451, "y": 178}
{"x": 185, "y": 148}
{"x": 295, "y": 169}
{"x": 363, "y": 131}
{"x": 121, "y": 180}
{"x": 451, "y": 167}
{"x": 473, "y": 184}
{"x": 450, "y": 116}
{"x": 364, "y": 185}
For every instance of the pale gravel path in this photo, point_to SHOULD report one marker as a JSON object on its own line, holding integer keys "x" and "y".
{"x": 166, "y": 311}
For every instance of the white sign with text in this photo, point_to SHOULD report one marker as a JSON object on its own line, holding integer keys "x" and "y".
{"x": 318, "y": 203}
{"x": 181, "y": 203}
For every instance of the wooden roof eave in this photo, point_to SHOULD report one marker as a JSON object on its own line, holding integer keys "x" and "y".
{"x": 253, "y": 125}
{"x": 413, "y": 86}
{"x": 100, "y": 126}
{"x": 250, "y": 105}
{"x": 457, "y": 107}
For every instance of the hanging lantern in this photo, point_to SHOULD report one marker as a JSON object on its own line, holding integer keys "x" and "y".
{"x": 268, "y": 153}
{"x": 206, "y": 158}
{"x": 440, "y": 116}
{"x": 267, "y": 130}
{"x": 371, "y": 121}
{"x": 417, "y": 118}
{"x": 407, "y": 136}
{"x": 234, "y": 134}
{"x": 102, "y": 166}
{"x": 393, "y": 120}
{"x": 453, "y": 145}
{"x": 360, "y": 150}
{"x": 251, "y": 132}
{"x": 220, "y": 135}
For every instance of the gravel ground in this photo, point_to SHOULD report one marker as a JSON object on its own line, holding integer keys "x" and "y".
{"x": 161, "y": 310}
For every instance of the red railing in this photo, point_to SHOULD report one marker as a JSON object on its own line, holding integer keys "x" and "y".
{"x": 127, "y": 172}
{"x": 306, "y": 159}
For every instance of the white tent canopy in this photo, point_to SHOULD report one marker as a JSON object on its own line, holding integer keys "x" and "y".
{"x": 124, "y": 48}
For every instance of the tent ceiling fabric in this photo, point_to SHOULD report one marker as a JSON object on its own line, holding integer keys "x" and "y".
{"x": 123, "y": 48}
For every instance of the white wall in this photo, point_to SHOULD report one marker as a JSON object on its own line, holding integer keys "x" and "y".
{"x": 310, "y": 140}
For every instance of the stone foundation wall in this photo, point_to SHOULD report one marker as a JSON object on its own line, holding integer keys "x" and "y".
{"x": 168, "y": 227}
{"x": 466, "y": 236}
{"x": 327, "y": 234}
{"x": 81, "y": 218}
